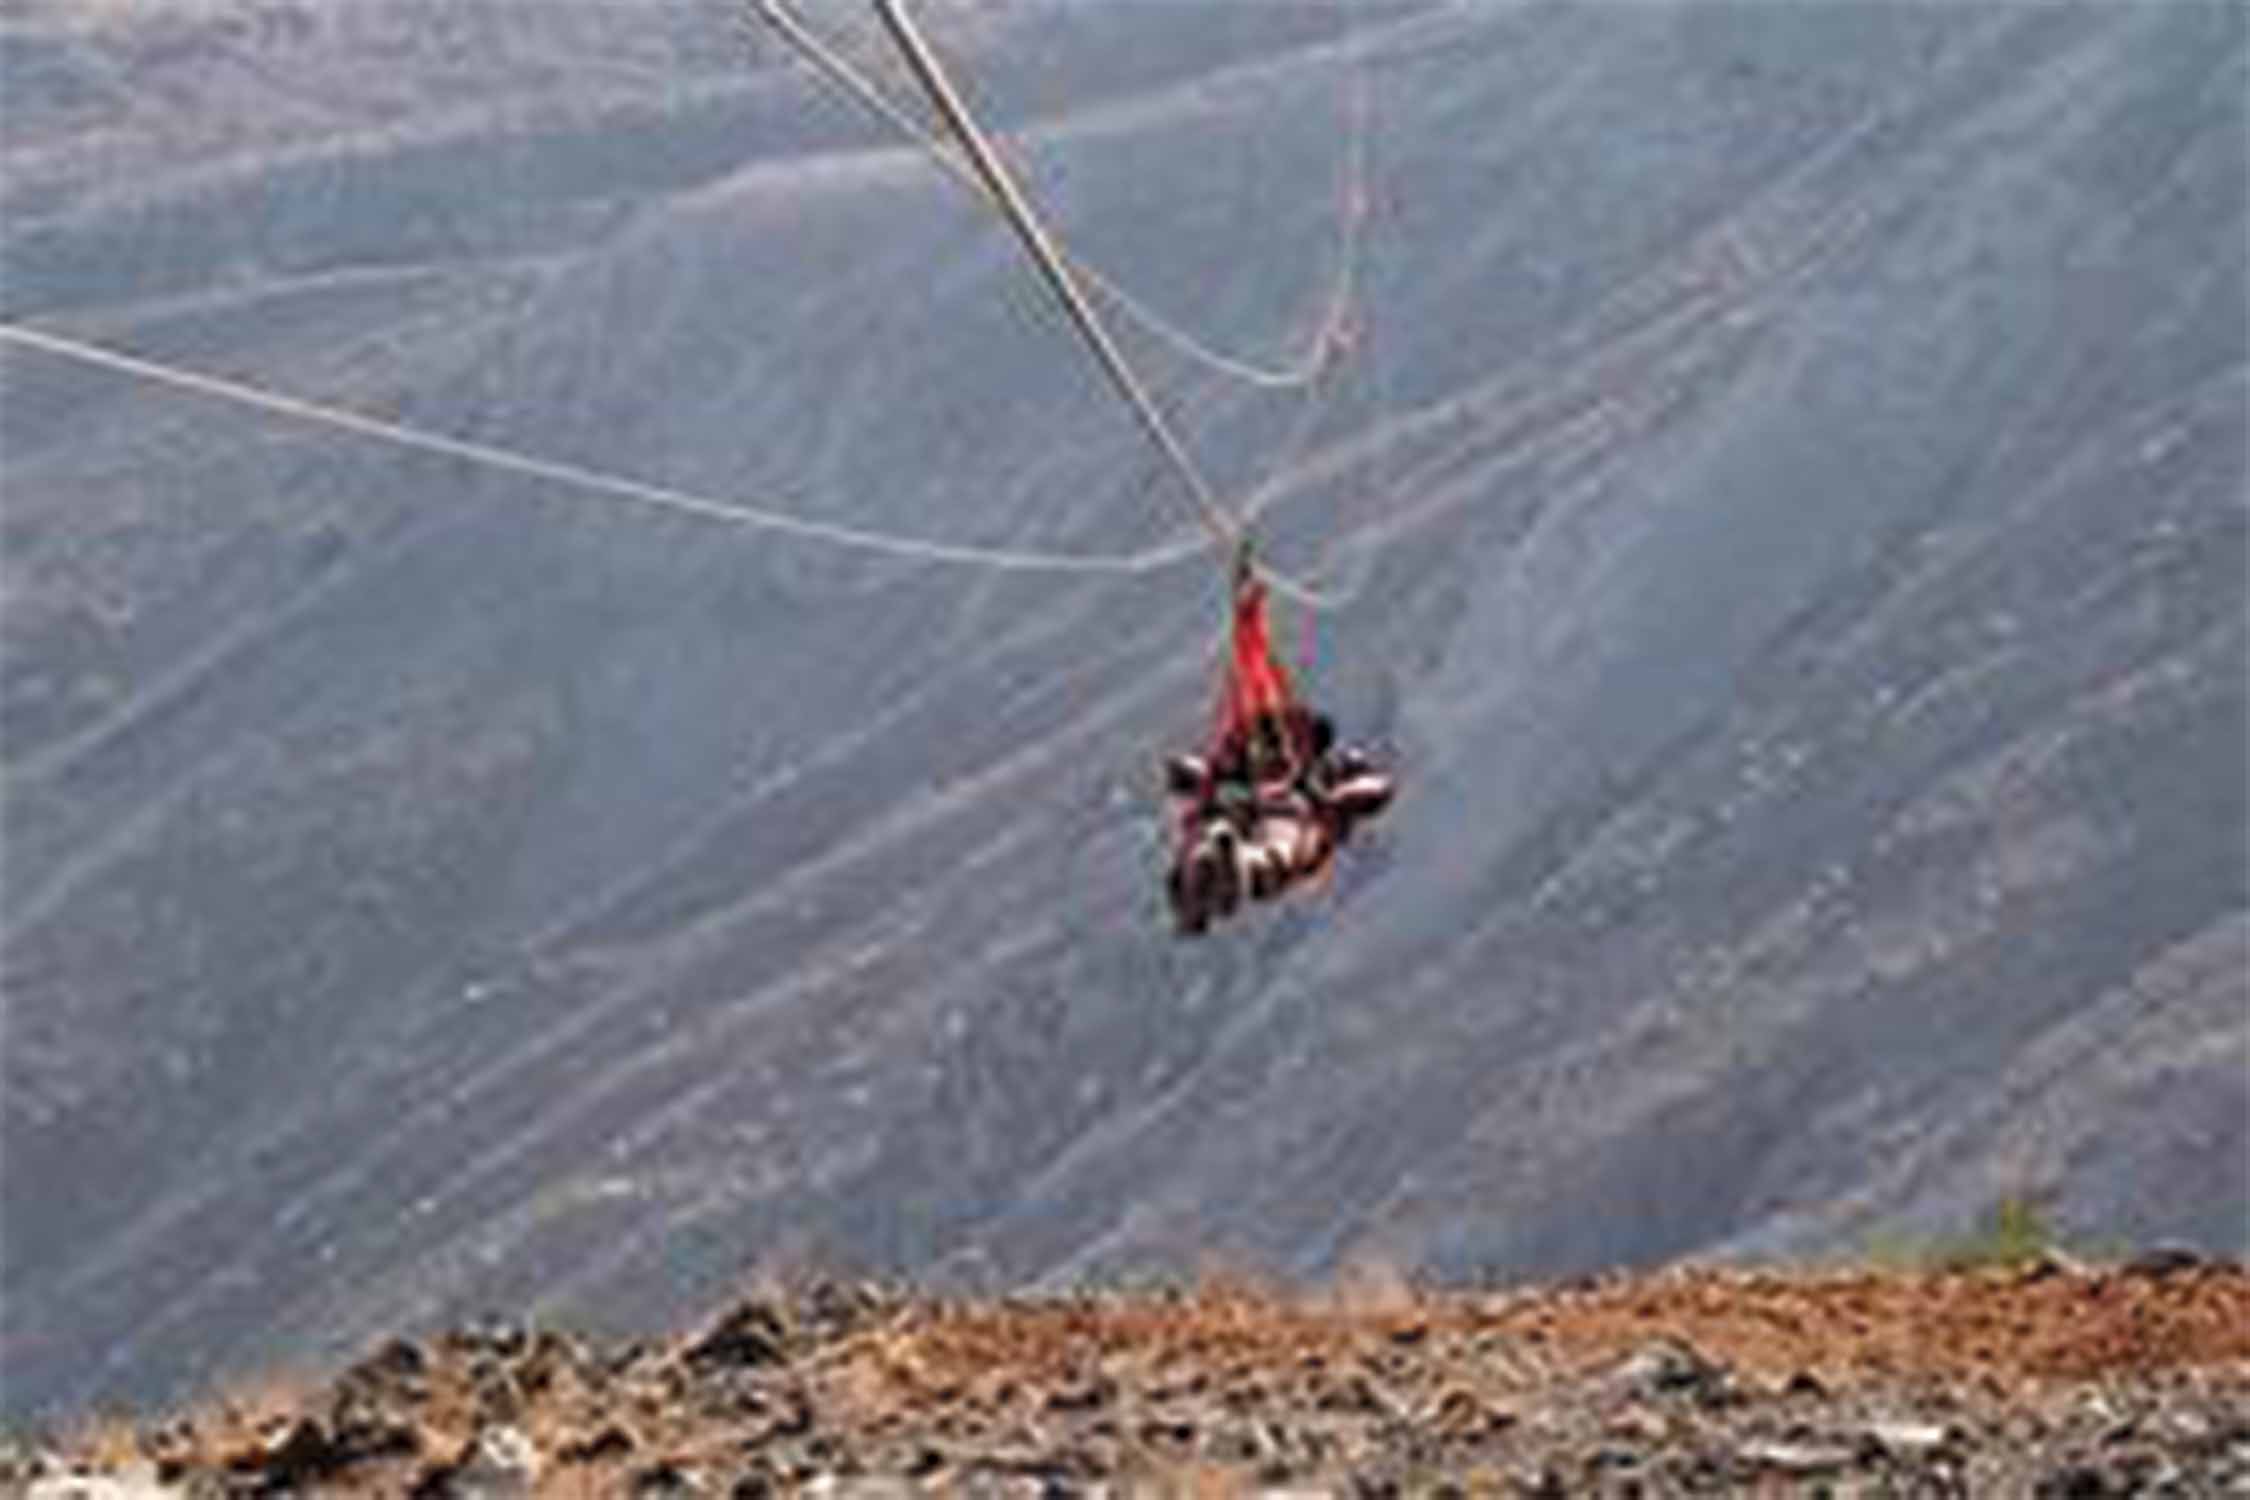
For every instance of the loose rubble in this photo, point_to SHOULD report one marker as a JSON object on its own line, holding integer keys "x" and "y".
{"x": 2056, "y": 1380}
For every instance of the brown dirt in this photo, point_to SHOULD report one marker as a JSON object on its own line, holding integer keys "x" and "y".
{"x": 2052, "y": 1378}
{"x": 2007, "y": 1324}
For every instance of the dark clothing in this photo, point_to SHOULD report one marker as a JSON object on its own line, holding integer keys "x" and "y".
{"x": 1270, "y": 808}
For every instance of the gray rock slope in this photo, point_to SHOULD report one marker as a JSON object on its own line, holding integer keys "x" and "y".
{"x": 1787, "y": 485}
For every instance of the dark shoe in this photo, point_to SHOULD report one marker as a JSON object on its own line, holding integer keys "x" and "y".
{"x": 1186, "y": 775}
{"x": 1349, "y": 762}
{"x": 1361, "y": 795}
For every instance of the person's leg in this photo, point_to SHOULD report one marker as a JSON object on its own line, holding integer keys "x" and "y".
{"x": 1226, "y": 869}
{"x": 1282, "y": 835}
{"x": 1316, "y": 845}
{"x": 1258, "y": 869}
{"x": 1189, "y": 917}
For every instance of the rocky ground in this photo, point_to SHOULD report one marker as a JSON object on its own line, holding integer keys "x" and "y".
{"x": 2047, "y": 1378}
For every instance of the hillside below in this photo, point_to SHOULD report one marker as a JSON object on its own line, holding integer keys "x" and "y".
{"x": 1778, "y": 474}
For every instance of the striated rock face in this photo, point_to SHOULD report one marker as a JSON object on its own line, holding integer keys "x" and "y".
{"x": 1785, "y": 487}
{"x": 2053, "y": 1380}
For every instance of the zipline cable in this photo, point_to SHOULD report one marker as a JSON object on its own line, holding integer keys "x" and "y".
{"x": 831, "y": 65}
{"x": 1226, "y": 533}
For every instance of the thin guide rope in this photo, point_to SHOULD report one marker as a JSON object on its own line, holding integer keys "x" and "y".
{"x": 618, "y": 486}
{"x": 832, "y": 66}
{"x": 594, "y": 480}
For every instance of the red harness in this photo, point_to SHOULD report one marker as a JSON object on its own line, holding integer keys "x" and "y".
{"x": 1255, "y": 684}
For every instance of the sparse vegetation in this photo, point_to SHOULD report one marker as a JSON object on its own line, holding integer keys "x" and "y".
{"x": 2016, "y": 1231}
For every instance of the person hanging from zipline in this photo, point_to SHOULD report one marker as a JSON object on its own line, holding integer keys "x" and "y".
{"x": 1273, "y": 797}
{"x": 1268, "y": 804}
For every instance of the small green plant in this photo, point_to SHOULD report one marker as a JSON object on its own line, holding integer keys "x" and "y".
{"x": 2015, "y": 1232}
